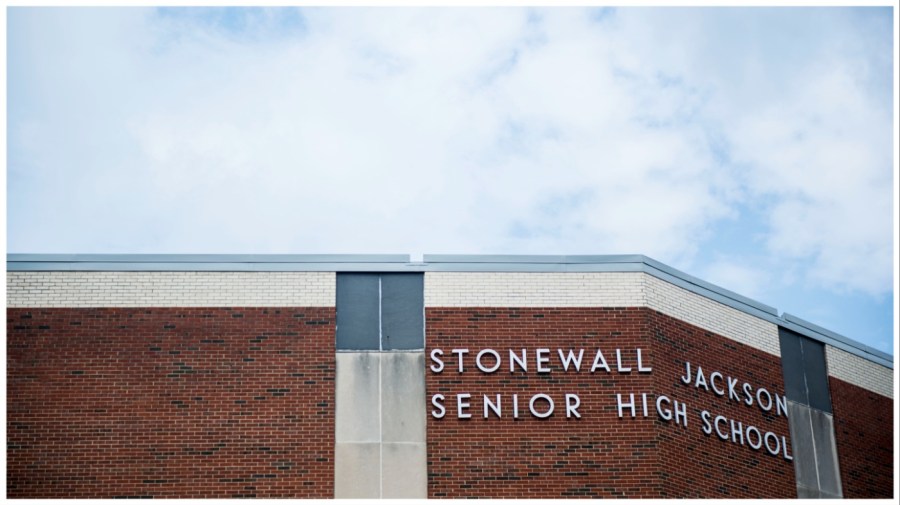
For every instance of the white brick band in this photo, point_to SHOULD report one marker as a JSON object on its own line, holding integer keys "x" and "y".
{"x": 597, "y": 289}
{"x": 538, "y": 289}
{"x": 860, "y": 372}
{"x": 170, "y": 289}
{"x": 711, "y": 315}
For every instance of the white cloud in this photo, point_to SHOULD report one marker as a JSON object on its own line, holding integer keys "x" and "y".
{"x": 442, "y": 130}
{"x": 802, "y": 100}
{"x": 824, "y": 154}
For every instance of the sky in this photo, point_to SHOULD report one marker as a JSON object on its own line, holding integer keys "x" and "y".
{"x": 749, "y": 147}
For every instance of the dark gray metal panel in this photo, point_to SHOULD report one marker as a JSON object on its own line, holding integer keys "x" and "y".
{"x": 816, "y": 375}
{"x": 402, "y": 311}
{"x": 357, "y": 311}
{"x": 792, "y": 367}
{"x": 803, "y": 368}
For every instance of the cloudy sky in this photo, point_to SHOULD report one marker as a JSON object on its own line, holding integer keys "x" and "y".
{"x": 750, "y": 147}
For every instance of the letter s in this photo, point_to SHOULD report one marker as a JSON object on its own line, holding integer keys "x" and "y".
{"x": 707, "y": 426}
{"x": 437, "y": 400}
{"x": 438, "y": 365}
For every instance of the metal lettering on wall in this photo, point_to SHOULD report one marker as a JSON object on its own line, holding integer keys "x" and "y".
{"x": 541, "y": 405}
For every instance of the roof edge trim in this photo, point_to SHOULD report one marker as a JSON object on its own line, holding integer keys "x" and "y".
{"x": 436, "y": 263}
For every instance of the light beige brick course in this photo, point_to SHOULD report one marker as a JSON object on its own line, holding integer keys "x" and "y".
{"x": 532, "y": 289}
{"x": 859, "y": 372}
{"x": 597, "y": 289}
{"x": 170, "y": 289}
{"x": 711, "y": 315}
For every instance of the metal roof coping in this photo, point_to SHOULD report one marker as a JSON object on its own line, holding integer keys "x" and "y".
{"x": 438, "y": 263}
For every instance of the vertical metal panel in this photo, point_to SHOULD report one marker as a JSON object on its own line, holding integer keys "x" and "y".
{"x": 402, "y": 317}
{"x": 357, "y": 312}
{"x": 792, "y": 367}
{"x": 803, "y": 367}
{"x": 816, "y": 375}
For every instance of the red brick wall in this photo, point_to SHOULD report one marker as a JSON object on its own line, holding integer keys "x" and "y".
{"x": 862, "y": 421}
{"x": 700, "y": 465}
{"x": 600, "y": 454}
{"x": 170, "y": 402}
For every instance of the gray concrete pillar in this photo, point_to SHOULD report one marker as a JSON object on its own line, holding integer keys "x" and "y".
{"x": 380, "y": 425}
{"x": 809, "y": 416}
